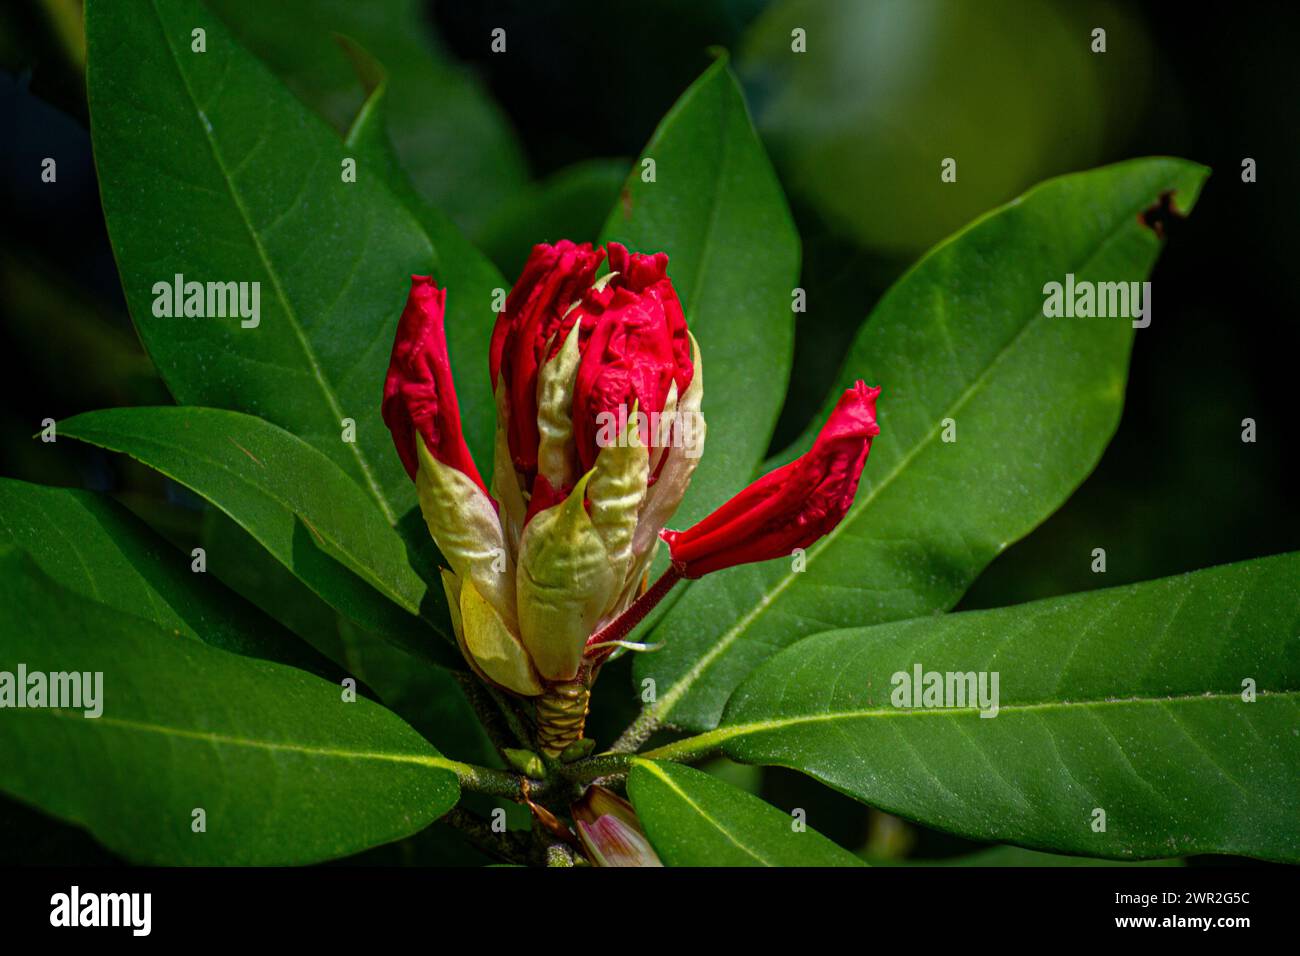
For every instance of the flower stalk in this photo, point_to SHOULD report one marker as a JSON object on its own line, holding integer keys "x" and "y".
{"x": 624, "y": 624}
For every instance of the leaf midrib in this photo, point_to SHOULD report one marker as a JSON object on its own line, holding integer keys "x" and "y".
{"x": 218, "y": 739}
{"x": 708, "y": 741}
{"x": 310, "y": 355}
{"x": 678, "y": 690}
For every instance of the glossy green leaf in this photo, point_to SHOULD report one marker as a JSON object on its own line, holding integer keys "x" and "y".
{"x": 311, "y": 516}
{"x": 1131, "y": 702}
{"x": 94, "y": 547}
{"x": 283, "y": 768}
{"x": 571, "y": 204}
{"x": 428, "y": 698}
{"x": 449, "y": 134}
{"x": 716, "y": 208}
{"x": 239, "y": 561}
{"x": 211, "y": 169}
{"x": 694, "y": 819}
{"x": 1034, "y": 401}
{"x": 470, "y": 278}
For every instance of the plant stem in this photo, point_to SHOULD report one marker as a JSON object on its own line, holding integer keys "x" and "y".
{"x": 494, "y": 723}
{"x": 495, "y": 712}
{"x": 611, "y": 763}
{"x": 511, "y": 715}
{"x": 646, "y": 722}
{"x": 601, "y": 765}
{"x": 562, "y": 714}
{"x": 622, "y": 625}
{"x": 497, "y": 783}
{"x": 507, "y": 847}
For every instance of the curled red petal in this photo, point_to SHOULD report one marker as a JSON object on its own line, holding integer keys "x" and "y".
{"x": 790, "y": 507}
{"x": 554, "y": 277}
{"x": 647, "y": 275}
{"x": 637, "y": 346}
{"x": 632, "y": 341}
{"x": 419, "y": 394}
{"x": 628, "y": 363}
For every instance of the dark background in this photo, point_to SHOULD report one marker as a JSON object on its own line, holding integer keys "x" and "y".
{"x": 856, "y": 129}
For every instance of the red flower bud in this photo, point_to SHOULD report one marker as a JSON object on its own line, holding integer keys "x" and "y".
{"x": 637, "y": 349}
{"x": 632, "y": 340}
{"x": 560, "y": 548}
{"x": 790, "y": 507}
{"x": 552, "y": 280}
{"x": 419, "y": 396}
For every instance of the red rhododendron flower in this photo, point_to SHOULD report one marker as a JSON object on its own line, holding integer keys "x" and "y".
{"x": 598, "y": 386}
{"x": 580, "y": 486}
{"x": 632, "y": 340}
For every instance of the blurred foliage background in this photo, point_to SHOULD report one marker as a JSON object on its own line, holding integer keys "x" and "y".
{"x": 532, "y": 144}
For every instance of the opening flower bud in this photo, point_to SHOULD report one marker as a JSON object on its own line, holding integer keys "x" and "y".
{"x": 610, "y": 832}
{"x": 589, "y": 375}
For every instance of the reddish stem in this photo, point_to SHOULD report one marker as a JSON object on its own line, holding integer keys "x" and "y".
{"x": 622, "y": 625}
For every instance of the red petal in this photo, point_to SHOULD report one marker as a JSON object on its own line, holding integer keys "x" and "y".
{"x": 419, "y": 394}
{"x": 553, "y": 279}
{"x": 792, "y": 506}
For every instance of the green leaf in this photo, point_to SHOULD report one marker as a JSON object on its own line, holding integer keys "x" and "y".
{"x": 469, "y": 277}
{"x": 305, "y": 511}
{"x": 450, "y": 135}
{"x": 94, "y": 547}
{"x": 428, "y": 698}
{"x": 694, "y": 819}
{"x": 284, "y": 769}
{"x": 571, "y": 204}
{"x": 239, "y": 561}
{"x": 716, "y": 208}
{"x": 1035, "y": 400}
{"x": 211, "y": 169}
{"x": 1127, "y": 701}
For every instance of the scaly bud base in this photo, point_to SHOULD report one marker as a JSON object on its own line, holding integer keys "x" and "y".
{"x": 562, "y": 714}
